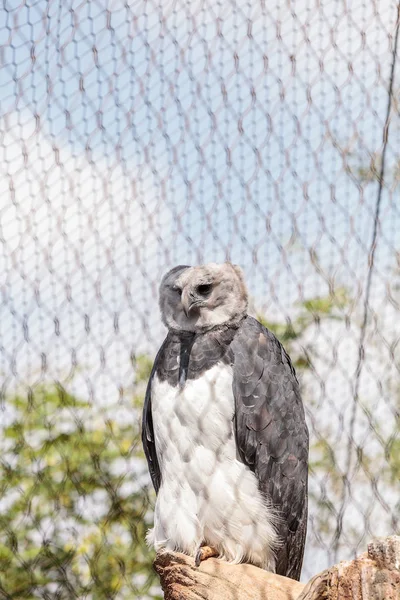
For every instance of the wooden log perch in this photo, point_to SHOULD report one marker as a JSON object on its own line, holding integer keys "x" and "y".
{"x": 374, "y": 575}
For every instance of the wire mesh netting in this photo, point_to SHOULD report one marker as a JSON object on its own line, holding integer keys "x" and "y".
{"x": 136, "y": 136}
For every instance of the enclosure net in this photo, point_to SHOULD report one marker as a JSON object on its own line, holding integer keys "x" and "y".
{"x": 136, "y": 136}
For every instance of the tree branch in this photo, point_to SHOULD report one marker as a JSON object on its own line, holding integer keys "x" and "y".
{"x": 374, "y": 575}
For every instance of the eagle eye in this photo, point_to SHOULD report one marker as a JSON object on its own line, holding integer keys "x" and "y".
{"x": 204, "y": 289}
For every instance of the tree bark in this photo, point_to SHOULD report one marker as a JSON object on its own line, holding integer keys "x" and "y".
{"x": 374, "y": 575}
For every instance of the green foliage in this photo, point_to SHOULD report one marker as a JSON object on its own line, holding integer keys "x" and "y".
{"x": 143, "y": 366}
{"x": 283, "y": 331}
{"x": 392, "y": 454}
{"x": 327, "y": 305}
{"x": 309, "y": 312}
{"x": 74, "y": 513}
{"x": 394, "y": 460}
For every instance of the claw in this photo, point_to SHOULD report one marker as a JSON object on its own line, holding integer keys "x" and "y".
{"x": 197, "y": 559}
{"x": 203, "y": 553}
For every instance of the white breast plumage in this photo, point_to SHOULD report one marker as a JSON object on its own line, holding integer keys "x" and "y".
{"x": 207, "y": 495}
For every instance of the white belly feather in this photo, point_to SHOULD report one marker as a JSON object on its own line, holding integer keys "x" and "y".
{"x": 207, "y": 494}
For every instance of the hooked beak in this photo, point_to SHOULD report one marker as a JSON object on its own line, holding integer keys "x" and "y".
{"x": 189, "y": 303}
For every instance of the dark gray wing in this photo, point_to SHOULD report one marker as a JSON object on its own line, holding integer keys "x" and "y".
{"x": 272, "y": 435}
{"x": 148, "y": 440}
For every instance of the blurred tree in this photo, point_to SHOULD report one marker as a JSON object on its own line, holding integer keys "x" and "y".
{"x": 75, "y": 505}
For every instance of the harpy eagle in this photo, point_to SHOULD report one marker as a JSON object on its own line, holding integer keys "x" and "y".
{"x": 224, "y": 431}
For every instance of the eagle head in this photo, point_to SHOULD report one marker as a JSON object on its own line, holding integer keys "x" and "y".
{"x": 200, "y": 298}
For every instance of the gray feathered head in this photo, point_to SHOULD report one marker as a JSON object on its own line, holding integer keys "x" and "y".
{"x": 201, "y": 298}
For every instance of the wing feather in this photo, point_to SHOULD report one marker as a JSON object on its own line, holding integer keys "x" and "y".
{"x": 148, "y": 439}
{"x": 272, "y": 435}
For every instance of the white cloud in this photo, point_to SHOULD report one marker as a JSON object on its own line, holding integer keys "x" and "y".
{"x": 79, "y": 260}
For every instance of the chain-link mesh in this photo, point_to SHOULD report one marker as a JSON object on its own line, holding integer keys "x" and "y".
{"x": 140, "y": 135}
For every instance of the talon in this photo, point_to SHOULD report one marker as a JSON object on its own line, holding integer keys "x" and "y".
{"x": 197, "y": 559}
{"x": 203, "y": 553}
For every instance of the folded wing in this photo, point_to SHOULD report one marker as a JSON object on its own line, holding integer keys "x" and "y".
{"x": 271, "y": 434}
